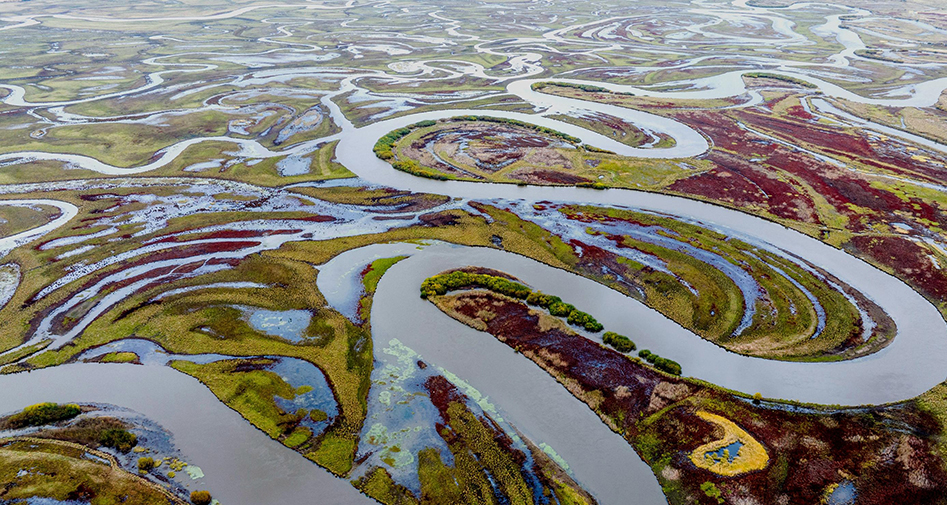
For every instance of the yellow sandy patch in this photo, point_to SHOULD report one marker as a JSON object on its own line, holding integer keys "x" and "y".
{"x": 751, "y": 456}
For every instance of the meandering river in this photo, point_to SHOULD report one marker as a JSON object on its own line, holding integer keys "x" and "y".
{"x": 245, "y": 466}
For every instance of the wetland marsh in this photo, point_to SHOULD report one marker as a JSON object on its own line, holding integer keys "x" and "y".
{"x": 215, "y": 220}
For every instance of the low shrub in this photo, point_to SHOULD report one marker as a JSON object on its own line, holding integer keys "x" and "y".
{"x": 579, "y": 318}
{"x": 119, "y": 439}
{"x": 620, "y": 343}
{"x": 592, "y": 185}
{"x": 666, "y": 365}
{"x": 414, "y": 168}
{"x": 584, "y": 87}
{"x": 663, "y": 364}
{"x": 146, "y": 464}
{"x": 541, "y": 299}
{"x": 593, "y": 149}
{"x": 383, "y": 147}
{"x": 201, "y": 498}
{"x": 561, "y": 309}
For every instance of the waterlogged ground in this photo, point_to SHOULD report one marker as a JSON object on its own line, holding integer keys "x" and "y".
{"x": 752, "y": 190}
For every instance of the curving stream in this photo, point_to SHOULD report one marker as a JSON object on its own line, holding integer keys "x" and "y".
{"x": 245, "y": 466}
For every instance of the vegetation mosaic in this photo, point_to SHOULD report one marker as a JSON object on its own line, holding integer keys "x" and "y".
{"x": 666, "y": 252}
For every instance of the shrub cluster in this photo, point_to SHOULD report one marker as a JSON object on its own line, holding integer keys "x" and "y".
{"x": 383, "y": 148}
{"x": 585, "y": 320}
{"x": 620, "y": 343}
{"x": 201, "y": 498}
{"x": 541, "y": 299}
{"x": 593, "y": 149}
{"x": 414, "y": 168}
{"x": 561, "y": 309}
{"x": 522, "y": 124}
{"x": 663, "y": 364}
{"x": 584, "y": 87}
{"x": 593, "y": 185}
{"x": 441, "y": 284}
{"x": 119, "y": 439}
{"x": 778, "y": 77}
{"x": 146, "y": 464}
{"x": 385, "y": 145}
{"x": 40, "y": 414}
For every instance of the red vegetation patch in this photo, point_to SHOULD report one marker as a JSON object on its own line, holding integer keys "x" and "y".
{"x": 436, "y": 219}
{"x": 809, "y": 450}
{"x": 171, "y": 254}
{"x": 442, "y": 393}
{"x": 908, "y": 259}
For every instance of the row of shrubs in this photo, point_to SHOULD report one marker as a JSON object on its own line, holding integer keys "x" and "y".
{"x": 593, "y": 149}
{"x": 384, "y": 147}
{"x": 40, "y": 414}
{"x": 584, "y": 87}
{"x": 663, "y": 364}
{"x": 778, "y": 77}
{"x": 414, "y": 168}
{"x": 593, "y": 185}
{"x": 522, "y": 124}
{"x": 441, "y": 284}
{"x": 558, "y": 308}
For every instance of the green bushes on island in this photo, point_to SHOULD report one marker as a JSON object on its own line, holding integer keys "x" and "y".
{"x": 558, "y": 308}
{"x": 663, "y": 364}
{"x": 541, "y": 299}
{"x": 561, "y": 309}
{"x": 442, "y": 283}
{"x": 778, "y": 77}
{"x": 414, "y": 168}
{"x": 593, "y": 149}
{"x": 584, "y": 87}
{"x": 40, "y": 414}
{"x": 579, "y": 318}
{"x": 201, "y": 498}
{"x": 146, "y": 464}
{"x": 522, "y": 124}
{"x": 620, "y": 343}
{"x": 593, "y": 185}
{"x": 384, "y": 147}
{"x": 588, "y": 88}
{"x": 119, "y": 439}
